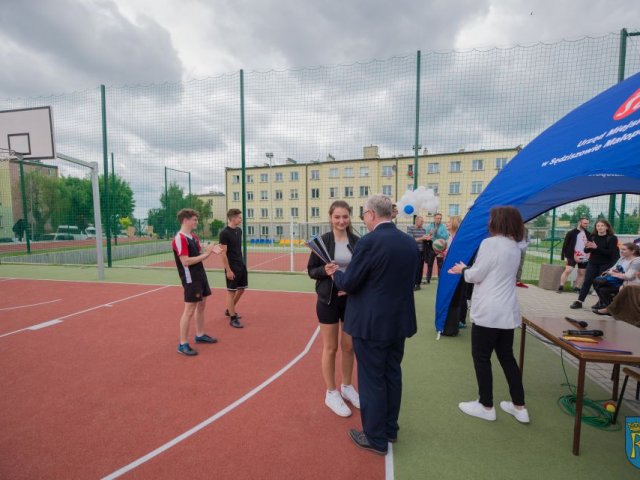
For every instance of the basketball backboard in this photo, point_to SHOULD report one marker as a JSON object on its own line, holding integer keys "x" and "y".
{"x": 29, "y": 132}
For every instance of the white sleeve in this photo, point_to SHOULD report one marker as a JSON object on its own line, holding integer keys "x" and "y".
{"x": 485, "y": 261}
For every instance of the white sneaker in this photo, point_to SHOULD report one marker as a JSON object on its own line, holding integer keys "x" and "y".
{"x": 334, "y": 401}
{"x": 476, "y": 409}
{"x": 521, "y": 415}
{"x": 349, "y": 393}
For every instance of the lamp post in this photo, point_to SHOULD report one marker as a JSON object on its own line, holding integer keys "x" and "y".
{"x": 269, "y": 155}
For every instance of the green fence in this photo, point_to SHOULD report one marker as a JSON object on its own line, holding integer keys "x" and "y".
{"x": 282, "y": 145}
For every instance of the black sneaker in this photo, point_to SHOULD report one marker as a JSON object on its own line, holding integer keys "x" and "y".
{"x": 235, "y": 323}
{"x": 185, "y": 349}
{"x": 206, "y": 339}
{"x": 416, "y": 287}
{"x": 560, "y": 289}
{"x": 361, "y": 441}
{"x": 575, "y": 305}
{"x": 226, "y": 314}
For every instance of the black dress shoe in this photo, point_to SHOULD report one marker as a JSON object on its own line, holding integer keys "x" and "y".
{"x": 598, "y": 312}
{"x": 575, "y": 305}
{"x": 597, "y": 305}
{"x": 361, "y": 441}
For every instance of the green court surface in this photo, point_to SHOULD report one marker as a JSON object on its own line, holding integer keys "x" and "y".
{"x": 436, "y": 440}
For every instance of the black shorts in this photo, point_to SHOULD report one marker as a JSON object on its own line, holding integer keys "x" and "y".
{"x": 242, "y": 278}
{"x": 332, "y": 313}
{"x": 196, "y": 290}
{"x": 571, "y": 262}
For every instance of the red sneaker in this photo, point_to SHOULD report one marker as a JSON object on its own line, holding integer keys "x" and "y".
{"x": 521, "y": 285}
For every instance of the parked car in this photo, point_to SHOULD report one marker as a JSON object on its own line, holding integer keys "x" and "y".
{"x": 69, "y": 232}
{"x": 90, "y": 232}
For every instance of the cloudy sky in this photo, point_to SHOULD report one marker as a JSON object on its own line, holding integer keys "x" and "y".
{"x": 63, "y": 46}
{"x": 66, "y": 45}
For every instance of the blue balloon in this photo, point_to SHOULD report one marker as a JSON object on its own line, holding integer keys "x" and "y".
{"x": 408, "y": 209}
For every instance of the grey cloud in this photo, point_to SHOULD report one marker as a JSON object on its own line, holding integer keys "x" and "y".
{"x": 68, "y": 45}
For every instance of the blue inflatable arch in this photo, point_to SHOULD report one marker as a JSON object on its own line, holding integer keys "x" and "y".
{"x": 594, "y": 150}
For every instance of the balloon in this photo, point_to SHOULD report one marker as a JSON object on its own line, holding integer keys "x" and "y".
{"x": 408, "y": 209}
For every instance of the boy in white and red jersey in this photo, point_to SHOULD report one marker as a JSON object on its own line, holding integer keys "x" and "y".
{"x": 189, "y": 257}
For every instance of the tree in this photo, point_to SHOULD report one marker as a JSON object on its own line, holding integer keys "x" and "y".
{"x": 215, "y": 227}
{"x": 164, "y": 219}
{"x": 541, "y": 221}
{"x": 581, "y": 211}
{"x": 47, "y": 200}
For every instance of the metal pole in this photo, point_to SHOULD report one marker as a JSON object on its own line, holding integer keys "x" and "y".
{"x": 553, "y": 234}
{"x": 113, "y": 195}
{"x": 25, "y": 213}
{"x": 96, "y": 218}
{"x": 190, "y": 199}
{"x": 416, "y": 145}
{"x": 166, "y": 204}
{"x": 105, "y": 161}
{"x": 243, "y": 147}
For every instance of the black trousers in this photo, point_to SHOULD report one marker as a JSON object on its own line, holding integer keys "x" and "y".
{"x": 606, "y": 292}
{"x": 484, "y": 341}
{"x": 592, "y": 272}
{"x": 420, "y": 267}
{"x": 380, "y": 387}
{"x": 429, "y": 257}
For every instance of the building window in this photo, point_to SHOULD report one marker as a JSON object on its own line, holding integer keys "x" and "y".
{"x": 433, "y": 168}
{"x": 410, "y": 187}
{"x": 434, "y": 187}
{"x": 278, "y": 212}
{"x": 315, "y": 193}
{"x": 264, "y": 230}
{"x": 364, "y": 171}
{"x": 387, "y": 171}
{"x": 294, "y": 212}
{"x": 249, "y": 212}
{"x": 236, "y": 196}
{"x": 333, "y": 192}
{"x": 348, "y": 172}
{"x": 410, "y": 170}
{"x": 279, "y": 177}
{"x": 477, "y": 165}
{"x": 279, "y": 230}
{"x": 264, "y": 177}
{"x": 294, "y": 176}
{"x": 454, "y": 209}
{"x": 454, "y": 188}
{"x": 501, "y": 162}
{"x": 264, "y": 212}
{"x": 315, "y": 212}
{"x": 348, "y": 192}
{"x": 264, "y": 195}
{"x": 235, "y": 179}
{"x": 278, "y": 194}
{"x": 250, "y": 230}
{"x": 315, "y": 174}
{"x": 249, "y": 195}
{"x": 249, "y": 178}
{"x": 294, "y": 194}
{"x": 333, "y": 173}
{"x": 364, "y": 191}
{"x": 210, "y": 202}
{"x": 315, "y": 230}
{"x": 386, "y": 190}
{"x": 476, "y": 187}
{"x": 455, "y": 167}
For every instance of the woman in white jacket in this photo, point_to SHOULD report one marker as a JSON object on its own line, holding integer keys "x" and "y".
{"x": 495, "y": 313}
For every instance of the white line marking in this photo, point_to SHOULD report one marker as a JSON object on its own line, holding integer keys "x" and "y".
{"x": 215, "y": 417}
{"x": 44, "y": 325}
{"x": 86, "y": 310}
{"x": 271, "y": 260}
{"x": 388, "y": 463}
{"x": 30, "y": 305}
{"x": 5, "y": 279}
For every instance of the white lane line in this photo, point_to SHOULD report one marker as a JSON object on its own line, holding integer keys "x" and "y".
{"x": 271, "y": 260}
{"x": 59, "y": 319}
{"x": 213, "y": 418}
{"x": 388, "y": 463}
{"x": 5, "y": 279}
{"x": 30, "y": 305}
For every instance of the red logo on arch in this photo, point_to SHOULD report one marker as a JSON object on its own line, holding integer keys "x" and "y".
{"x": 630, "y": 105}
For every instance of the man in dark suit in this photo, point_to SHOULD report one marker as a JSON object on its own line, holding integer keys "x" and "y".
{"x": 380, "y": 315}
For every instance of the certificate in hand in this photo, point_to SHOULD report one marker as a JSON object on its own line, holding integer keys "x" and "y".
{"x": 318, "y": 247}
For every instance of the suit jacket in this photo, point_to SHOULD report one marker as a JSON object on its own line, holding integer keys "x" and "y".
{"x": 379, "y": 281}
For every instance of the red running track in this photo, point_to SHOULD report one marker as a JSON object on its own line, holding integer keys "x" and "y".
{"x": 88, "y": 396}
